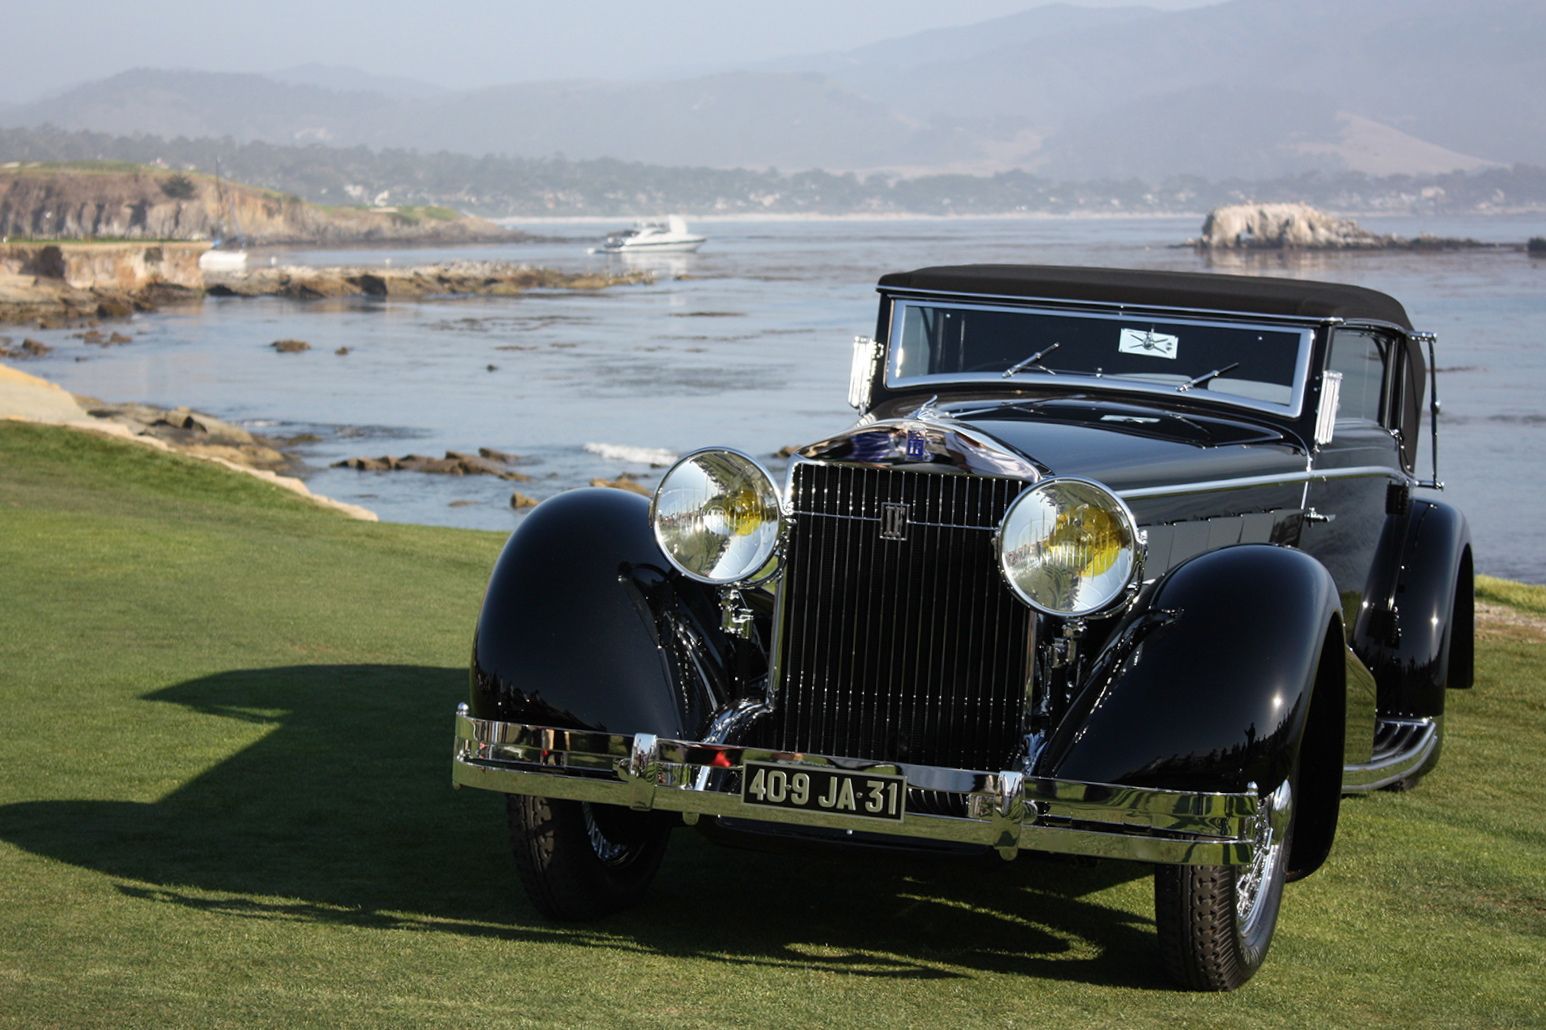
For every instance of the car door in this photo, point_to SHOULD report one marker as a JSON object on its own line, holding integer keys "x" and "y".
{"x": 1361, "y": 463}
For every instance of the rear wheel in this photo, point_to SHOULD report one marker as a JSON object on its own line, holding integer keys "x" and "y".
{"x": 1215, "y": 923}
{"x": 581, "y": 861}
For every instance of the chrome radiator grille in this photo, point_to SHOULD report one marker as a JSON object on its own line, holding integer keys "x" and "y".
{"x": 899, "y": 639}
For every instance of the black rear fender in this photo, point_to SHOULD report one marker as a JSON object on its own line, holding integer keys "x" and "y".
{"x": 1415, "y": 629}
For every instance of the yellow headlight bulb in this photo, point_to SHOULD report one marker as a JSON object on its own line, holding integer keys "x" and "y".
{"x": 717, "y": 516}
{"x": 1068, "y": 547}
{"x": 744, "y": 512}
{"x": 1102, "y": 543}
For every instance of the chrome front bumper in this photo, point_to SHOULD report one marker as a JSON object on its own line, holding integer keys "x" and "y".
{"x": 1004, "y": 810}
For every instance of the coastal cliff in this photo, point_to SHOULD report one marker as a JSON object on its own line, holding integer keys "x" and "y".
{"x": 116, "y": 201}
{"x": 120, "y": 266}
{"x": 53, "y": 284}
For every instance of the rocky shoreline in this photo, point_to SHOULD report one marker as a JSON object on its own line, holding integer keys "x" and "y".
{"x": 486, "y": 462}
{"x": 451, "y": 279}
{"x": 275, "y": 459}
{"x": 54, "y": 285}
{"x": 27, "y": 398}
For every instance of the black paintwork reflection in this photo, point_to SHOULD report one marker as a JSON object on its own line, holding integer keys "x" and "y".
{"x": 583, "y": 626}
{"x": 1209, "y": 686}
{"x": 1404, "y": 632}
{"x": 1355, "y": 507}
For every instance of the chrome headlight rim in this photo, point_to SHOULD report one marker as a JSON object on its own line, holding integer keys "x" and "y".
{"x": 1117, "y": 507}
{"x": 766, "y": 556}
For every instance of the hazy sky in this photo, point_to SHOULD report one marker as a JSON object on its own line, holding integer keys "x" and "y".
{"x": 457, "y": 43}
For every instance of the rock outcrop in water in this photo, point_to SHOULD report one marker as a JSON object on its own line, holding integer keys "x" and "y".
{"x": 1302, "y": 227}
{"x": 1278, "y": 226}
{"x": 487, "y": 462}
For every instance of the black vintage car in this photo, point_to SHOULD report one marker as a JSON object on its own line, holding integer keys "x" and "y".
{"x": 1114, "y": 563}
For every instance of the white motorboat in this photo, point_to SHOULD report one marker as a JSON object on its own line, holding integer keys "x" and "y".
{"x": 668, "y": 237}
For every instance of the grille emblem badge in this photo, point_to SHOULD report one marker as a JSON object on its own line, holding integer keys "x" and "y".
{"x": 893, "y": 521}
{"x": 917, "y": 446}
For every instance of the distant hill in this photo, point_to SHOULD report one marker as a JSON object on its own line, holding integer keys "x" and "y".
{"x": 193, "y": 103}
{"x": 1241, "y": 88}
{"x": 336, "y": 77}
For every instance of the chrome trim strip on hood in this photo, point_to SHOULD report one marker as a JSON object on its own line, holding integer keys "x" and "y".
{"x": 1278, "y": 479}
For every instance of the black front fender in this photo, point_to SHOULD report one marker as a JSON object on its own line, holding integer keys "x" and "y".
{"x": 1207, "y": 685}
{"x": 585, "y": 625}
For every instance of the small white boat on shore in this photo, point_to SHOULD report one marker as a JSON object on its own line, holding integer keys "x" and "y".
{"x": 220, "y": 260}
{"x": 668, "y": 237}
{"x": 224, "y": 255}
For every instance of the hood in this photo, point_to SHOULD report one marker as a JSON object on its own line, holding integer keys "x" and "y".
{"x": 1125, "y": 446}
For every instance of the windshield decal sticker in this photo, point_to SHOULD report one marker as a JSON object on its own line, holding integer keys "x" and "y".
{"x": 1147, "y": 341}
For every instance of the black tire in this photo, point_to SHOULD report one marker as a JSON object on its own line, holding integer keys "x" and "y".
{"x": 1215, "y": 922}
{"x": 583, "y": 861}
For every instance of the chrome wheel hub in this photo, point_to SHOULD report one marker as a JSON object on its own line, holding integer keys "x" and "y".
{"x": 1252, "y": 881}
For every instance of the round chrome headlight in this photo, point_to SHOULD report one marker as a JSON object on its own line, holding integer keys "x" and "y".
{"x": 716, "y": 516}
{"x": 1068, "y": 547}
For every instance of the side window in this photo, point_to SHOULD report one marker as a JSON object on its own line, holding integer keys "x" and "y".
{"x": 1360, "y": 355}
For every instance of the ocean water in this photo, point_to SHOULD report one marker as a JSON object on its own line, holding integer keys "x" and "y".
{"x": 746, "y": 344}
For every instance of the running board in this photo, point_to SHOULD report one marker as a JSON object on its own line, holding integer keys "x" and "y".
{"x": 1401, "y": 747}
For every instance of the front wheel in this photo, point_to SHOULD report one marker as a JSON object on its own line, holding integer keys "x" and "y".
{"x": 1215, "y": 922}
{"x": 582, "y": 861}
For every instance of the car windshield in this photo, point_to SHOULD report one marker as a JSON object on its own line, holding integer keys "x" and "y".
{"x": 1234, "y": 361}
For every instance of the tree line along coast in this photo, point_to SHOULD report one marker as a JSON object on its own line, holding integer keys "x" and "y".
{"x": 495, "y": 185}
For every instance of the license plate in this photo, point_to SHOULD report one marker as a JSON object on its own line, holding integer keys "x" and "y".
{"x": 814, "y": 789}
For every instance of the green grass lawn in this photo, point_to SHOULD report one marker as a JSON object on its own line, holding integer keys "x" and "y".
{"x": 225, "y": 732}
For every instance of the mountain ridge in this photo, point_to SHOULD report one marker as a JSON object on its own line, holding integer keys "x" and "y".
{"x": 1243, "y": 88}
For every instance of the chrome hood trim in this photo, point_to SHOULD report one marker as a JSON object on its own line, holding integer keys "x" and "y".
{"x": 925, "y": 442}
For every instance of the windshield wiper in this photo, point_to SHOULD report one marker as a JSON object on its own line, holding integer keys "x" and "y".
{"x": 1206, "y": 376}
{"x": 1025, "y": 363}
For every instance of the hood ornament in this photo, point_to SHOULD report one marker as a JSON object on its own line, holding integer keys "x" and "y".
{"x": 927, "y": 412}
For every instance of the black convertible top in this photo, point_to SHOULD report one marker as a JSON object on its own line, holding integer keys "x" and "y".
{"x": 1202, "y": 291}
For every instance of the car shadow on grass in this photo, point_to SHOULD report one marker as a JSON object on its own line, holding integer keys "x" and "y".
{"x": 343, "y": 814}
